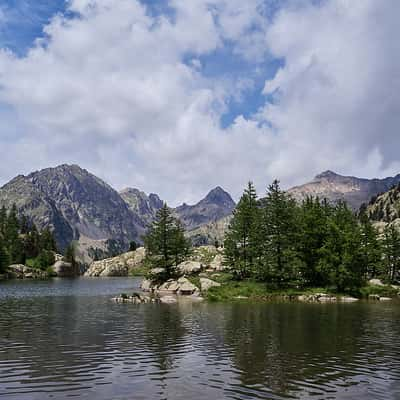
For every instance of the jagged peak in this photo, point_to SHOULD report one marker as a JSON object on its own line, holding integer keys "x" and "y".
{"x": 218, "y": 195}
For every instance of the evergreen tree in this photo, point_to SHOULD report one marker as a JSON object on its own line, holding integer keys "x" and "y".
{"x": 166, "y": 245}
{"x": 313, "y": 225}
{"x": 342, "y": 262}
{"x": 4, "y": 258}
{"x": 242, "y": 241}
{"x": 281, "y": 263}
{"x": 391, "y": 246}
{"x": 371, "y": 246}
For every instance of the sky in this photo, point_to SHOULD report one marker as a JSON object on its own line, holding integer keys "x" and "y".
{"x": 177, "y": 97}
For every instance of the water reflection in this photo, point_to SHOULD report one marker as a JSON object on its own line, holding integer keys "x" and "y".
{"x": 67, "y": 339}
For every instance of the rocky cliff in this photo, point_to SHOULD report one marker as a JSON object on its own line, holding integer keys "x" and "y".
{"x": 74, "y": 204}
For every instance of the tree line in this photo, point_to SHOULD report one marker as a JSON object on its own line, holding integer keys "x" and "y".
{"x": 310, "y": 244}
{"x": 20, "y": 241}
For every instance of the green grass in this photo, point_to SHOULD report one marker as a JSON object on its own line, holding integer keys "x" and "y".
{"x": 143, "y": 270}
{"x": 384, "y": 291}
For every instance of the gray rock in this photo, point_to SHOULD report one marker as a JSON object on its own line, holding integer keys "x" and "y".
{"x": 63, "y": 269}
{"x": 376, "y": 282}
{"x": 168, "y": 299}
{"x": 348, "y": 299}
{"x": 206, "y": 284}
{"x": 190, "y": 267}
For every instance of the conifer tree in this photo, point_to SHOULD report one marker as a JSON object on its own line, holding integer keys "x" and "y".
{"x": 280, "y": 232}
{"x": 391, "y": 246}
{"x": 166, "y": 245}
{"x": 313, "y": 225}
{"x": 242, "y": 241}
{"x": 4, "y": 258}
{"x": 342, "y": 261}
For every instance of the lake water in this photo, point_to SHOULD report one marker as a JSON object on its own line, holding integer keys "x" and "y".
{"x": 65, "y": 339}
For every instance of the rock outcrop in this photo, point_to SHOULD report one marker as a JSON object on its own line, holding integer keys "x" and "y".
{"x": 117, "y": 266}
{"x": 181, "y": 286}
{"x": 20, "y": 271}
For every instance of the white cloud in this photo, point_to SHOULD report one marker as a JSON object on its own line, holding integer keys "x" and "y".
{"x": 109, "y": 90}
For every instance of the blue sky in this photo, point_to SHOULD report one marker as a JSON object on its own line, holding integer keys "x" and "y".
{"x": 24, "y": 20}
{"x": 178, "y": 97}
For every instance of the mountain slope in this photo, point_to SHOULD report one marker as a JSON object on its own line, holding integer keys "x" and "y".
{"x": 74, "y": 203}
{"x": 216, "y": 205}
{"x": 335, "y": 187}
{"x": 143, "y": 205}
{"x": 385, "y": 207}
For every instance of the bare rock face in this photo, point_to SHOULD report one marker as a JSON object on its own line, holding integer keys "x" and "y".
{"x": 335, "y": 187}
{"x": 72, "y": 202}
{"x": 117, "y": 266}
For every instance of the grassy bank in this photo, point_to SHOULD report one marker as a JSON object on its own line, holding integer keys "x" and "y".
{"x": 231, "y": 290}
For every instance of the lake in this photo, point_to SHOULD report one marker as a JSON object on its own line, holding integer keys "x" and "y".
{"x": 65, "y": 339}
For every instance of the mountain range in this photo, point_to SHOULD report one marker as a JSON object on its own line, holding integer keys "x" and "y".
{"x": 80, "y": 207}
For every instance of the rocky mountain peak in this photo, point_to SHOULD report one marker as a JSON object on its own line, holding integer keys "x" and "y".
{"x": 328, "y": 174}
{"x": 219, "y": 196}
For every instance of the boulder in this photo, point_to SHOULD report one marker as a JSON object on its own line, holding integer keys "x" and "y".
{"x": 63, "y": 269}
{"x": 117, "y": 266}
{"x": 348, "y": 299}
{"x": 385, "y": 298}
{"x": 190, "y": 267}
{"x": 169, "y": 286}
{"x": 376, "y": 282}
{"x": 217, "y": 263}
{"x": 146, "y": 285}
{"x": 206, "y": 284}
{"x": 168, "y": 299}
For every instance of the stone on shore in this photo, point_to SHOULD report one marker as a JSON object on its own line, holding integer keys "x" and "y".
{"x": 63, "y": 269}
{"x": 206, "y": 284}
{"x": 117, "y": 266}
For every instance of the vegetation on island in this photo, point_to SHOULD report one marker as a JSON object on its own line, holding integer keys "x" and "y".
{"x": 166, "y": 244}
{"x": 277, "y": 246}
{"x": 22, "y": 243}
{"x": 314, "y": 244}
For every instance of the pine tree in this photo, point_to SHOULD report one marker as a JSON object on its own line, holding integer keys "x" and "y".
{"x": 280, "y": 232}
{"x": 165, "y": 243}
{"x": 242, "y": 241}
{"x": 391, "y": 246}
{"x": 4, "y": 258}
{"x": 342, "y": 262}
{"x": 372, "y": 247}
{"x": 313, "y": 225}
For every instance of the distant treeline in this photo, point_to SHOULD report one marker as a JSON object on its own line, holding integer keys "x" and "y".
{"x": 317, "y": 244}
{"x": 22, "y": 243}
